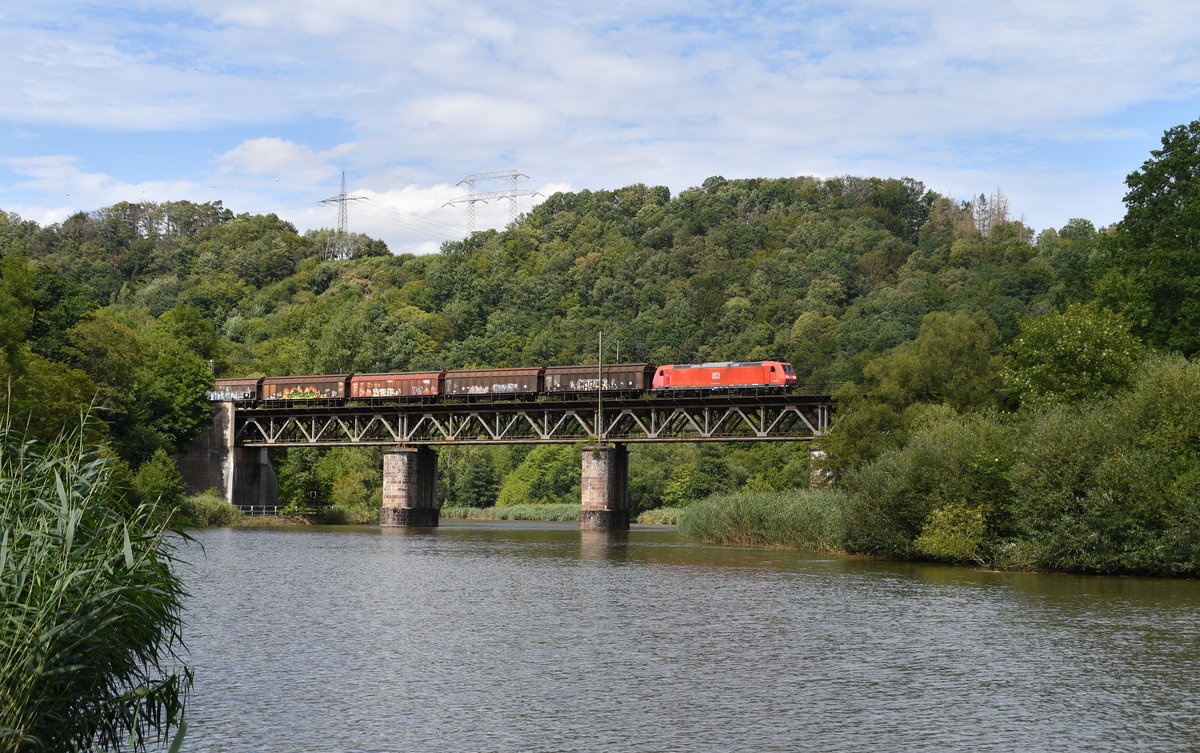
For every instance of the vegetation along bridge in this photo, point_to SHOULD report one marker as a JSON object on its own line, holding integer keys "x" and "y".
{"x": 232, "y": 455}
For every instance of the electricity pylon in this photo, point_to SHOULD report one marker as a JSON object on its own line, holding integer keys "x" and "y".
{"x": 472, "y": 198}
{"x": 340, "y": 248}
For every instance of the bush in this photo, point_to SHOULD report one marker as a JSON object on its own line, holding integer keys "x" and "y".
{"x": 209, "y": 509}
{"x": 549, "y": 474}
{"x": 956, "y": 531}
{"x": 952, "y": 461}
{"x": 89, "y": 648}
{"x": 1112, "y": 487}
{"x": 158, "y": 480}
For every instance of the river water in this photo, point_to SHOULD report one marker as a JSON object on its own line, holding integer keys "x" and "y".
{"x": 492, "y": 636}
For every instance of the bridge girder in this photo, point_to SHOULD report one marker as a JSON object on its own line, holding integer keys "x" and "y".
{"x": 732, "y": 419}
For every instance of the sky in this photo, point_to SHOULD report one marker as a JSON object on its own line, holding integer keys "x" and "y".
{"x": 263, "y": 104}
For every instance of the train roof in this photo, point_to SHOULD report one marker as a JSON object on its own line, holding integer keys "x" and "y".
{"x": 719, "y": 364}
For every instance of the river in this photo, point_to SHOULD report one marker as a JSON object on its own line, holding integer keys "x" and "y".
{"x": 494, "y": 636}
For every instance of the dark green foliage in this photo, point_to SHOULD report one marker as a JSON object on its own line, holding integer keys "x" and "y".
{"x": 549, "y": 474}
{"x": 158, "y": 481}
{"x": 1156, "y": 251}
{"x": 707, "y": 472}
{"x": 1081, "y": 354}
{"x": 469, "y": 476}
{"x": 209, "y": 509}
{"x": 906, "y": 303}
{"x": 950, "y": 462}
{"x": 90, "y": 607}
{"x": 1112, "y": 487}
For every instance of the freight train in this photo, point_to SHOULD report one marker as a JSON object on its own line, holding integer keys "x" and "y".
{"x": 528, "y": 383}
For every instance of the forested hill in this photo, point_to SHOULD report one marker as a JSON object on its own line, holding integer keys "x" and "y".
{"x": 824, "y": 273}
{"x": 878, "y": 283}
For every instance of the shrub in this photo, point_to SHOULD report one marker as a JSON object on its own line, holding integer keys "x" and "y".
{"x": 209, "y": 509}
{"x": 956, "y": 531}
{"x": 950, "y": 461}
{"x": 1112, "y": 487}
{"x": 158, "y": 480}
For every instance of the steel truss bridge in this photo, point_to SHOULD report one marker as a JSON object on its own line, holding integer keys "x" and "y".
{"x": 716, "y": 418}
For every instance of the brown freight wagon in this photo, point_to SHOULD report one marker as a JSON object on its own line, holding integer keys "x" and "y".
{"x": 494, "y": 382}
{"x": 406, "y": 385}
{"x": 316, "y": 387}
{"x": 617, "y": 377}
{"x": 237, "y": 389}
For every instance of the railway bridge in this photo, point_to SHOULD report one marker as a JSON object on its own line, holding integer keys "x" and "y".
{"x": 232, "y": 454}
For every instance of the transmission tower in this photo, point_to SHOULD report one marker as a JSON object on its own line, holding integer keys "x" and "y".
{"x": 473, "y": 197}
{"x": 340, "y": 248}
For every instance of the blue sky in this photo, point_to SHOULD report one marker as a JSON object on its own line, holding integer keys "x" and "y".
{"x": 262, "y": 103}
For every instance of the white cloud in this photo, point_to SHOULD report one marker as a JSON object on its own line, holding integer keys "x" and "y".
{"x": 281, "y": 159}
{"x": 601, "y": 95}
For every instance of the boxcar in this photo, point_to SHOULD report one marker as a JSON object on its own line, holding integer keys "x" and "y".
{"x": 414, "y": 384}
{"x": 728, "y": 376}
{"x": 617, "y": 377}
{"x": 519, "y": 382}
{"x": 320, "y": 387}
{"x": 237, "y": 389}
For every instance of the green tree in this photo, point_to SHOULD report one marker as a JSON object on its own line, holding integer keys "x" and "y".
{"x": 1158, "y": 245}
{"x": 158, "y": 481}
{"x": 1083, "y": 353}
{"x": 549, "y": 474}
{"x": 952, "y": 360}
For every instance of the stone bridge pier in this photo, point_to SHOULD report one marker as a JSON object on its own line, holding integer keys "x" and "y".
{"x": 242, "y": 475}
{"x": 410, "y": 487}
{"x": 604, "y": 487}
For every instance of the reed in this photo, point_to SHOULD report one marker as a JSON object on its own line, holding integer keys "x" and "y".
{"x": 89, "y": 606}
{"x": 797, "y": 519}
{"x": 662, "y": 516}
{"x": 551, "y": 512}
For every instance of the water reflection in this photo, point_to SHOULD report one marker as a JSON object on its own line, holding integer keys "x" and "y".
{"x": 483, "y": 635}
{"x": 604, "y": 545}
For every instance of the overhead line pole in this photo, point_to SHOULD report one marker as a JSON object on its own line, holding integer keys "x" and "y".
{"x": 341, "y": 242}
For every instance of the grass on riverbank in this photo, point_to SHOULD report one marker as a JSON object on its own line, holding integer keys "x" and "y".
{"x": 798, "y": 519}
{"x": 660, "y": 516}
{"x": 555, "y": 512}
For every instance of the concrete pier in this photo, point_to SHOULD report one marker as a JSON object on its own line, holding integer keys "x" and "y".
{"x": 243, "y": 476}
{"x": 409, "y": 487}
{"x": 604, "y": 487}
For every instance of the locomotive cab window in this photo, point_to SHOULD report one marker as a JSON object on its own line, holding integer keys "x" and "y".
{"x": 772, "y": 369}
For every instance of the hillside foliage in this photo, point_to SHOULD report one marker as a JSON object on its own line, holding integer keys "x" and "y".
{"x": 922, "y": 312}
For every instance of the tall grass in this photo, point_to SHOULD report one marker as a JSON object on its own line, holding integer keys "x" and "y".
{"x": 89, "y": 606}
{"x": 661, "y": 516}
{"x": 551, "y": 512}
{"x": 795, "y": 519}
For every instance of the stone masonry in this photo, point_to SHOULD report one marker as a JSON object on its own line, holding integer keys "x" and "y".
{"x": 604, "y": 486}
{"x": 409, "y": 487}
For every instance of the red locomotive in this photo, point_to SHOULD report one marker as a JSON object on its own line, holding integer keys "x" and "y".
{"x": 725, "y": 376}
{"x": 622, "y": 379}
